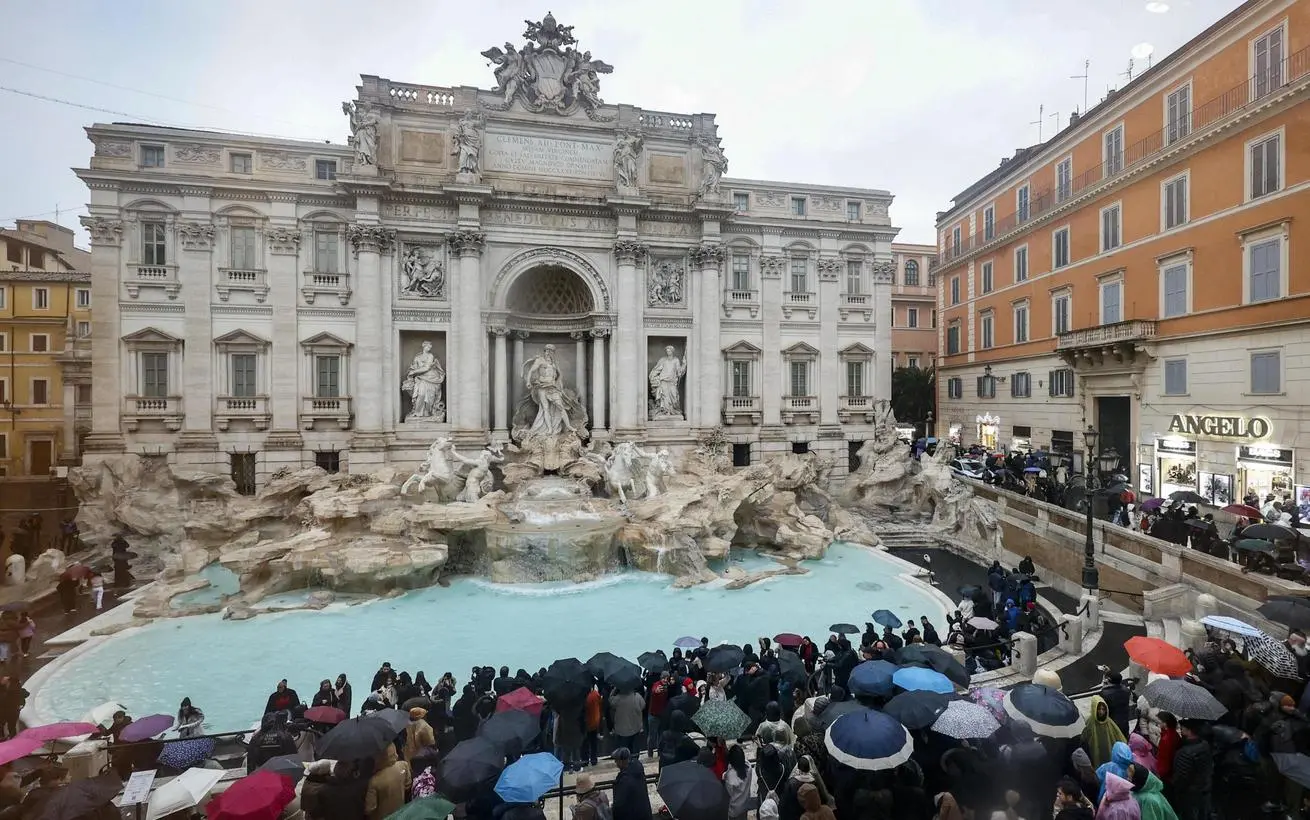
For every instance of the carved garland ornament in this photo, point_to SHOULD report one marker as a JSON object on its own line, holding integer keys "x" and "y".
{"x": 103, "y": 231}
{"x": 282, "y": 240}
{"x": 467, "y": 242}
{"x": 109, "y": 148}
{"x": 771, "y": 267}
{"x": 370, "y": 238}
{"x": 200, "y": 154}
{"x": 829, "y": 269}
{"x": 629, "y": 251}
{"x": 195, "y": 236}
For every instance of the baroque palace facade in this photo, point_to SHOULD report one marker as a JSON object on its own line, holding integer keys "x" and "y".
{"x": 263, "y": 303}
{"x": 1144, "y": 272}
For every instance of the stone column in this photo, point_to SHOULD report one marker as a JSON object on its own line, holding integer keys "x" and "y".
{"x": 709, "y": 359}
{"x": 598, "y": 380}
{"x": 769, "y": 371}
{"x": 464, "y": 375}
{"x": 829, "y": 387}
{"x": 500, "y": 387}
{"x": 628, "y": 378}
{"x": 369, "y": 243}
{"x": 580, "y": 363}
{"x": 106, "y": 366}
{"x": 520, "y": 336}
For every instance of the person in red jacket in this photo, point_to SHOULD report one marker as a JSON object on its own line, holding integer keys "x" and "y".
{"x": 659, "y": 701}
{"x": 1168, "y": 745}
{"x": 591, "y": 715}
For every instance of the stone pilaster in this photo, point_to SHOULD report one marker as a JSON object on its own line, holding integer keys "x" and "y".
{"x": 282, "y": 249}
{"x": 106, "y": 329}
{"x": 368, "y": 242}
{"x": 880, "y": 380}
{"x": 768, "y": 376}
{"x": 599, "y": 381}
{"x": 629, "y": 375}
{"x": 464, "y": 353}
{"x": 830, "y": 386}
{"x": 708, "y": 259}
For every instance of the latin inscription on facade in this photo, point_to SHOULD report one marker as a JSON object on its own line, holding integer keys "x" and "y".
{"x": 546, "y": 156}
{"x": 421, "y": 213}
{"x": 546, "y": 220}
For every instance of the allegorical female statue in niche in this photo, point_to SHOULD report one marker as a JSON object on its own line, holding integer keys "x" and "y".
{"x": 423, "y": 382}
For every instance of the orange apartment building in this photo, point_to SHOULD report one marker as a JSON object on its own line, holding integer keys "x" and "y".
{"x": 914, "y": 306}
{"x": 1145, "y": 271}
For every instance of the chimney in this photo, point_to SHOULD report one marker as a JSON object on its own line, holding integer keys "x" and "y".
{"x": 1075, "y": 117}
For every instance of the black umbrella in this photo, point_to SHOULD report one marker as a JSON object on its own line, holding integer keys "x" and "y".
{"x": 504, "y": 728}
{"x": 603, "y": 664}
{"x": 692, "y": 792}
{"x": 686, "y": 702}
{"x": 655, "y": 661}
{"x": 566, "y": 681}
{"x": 625, "y": 680}
{"x": 934, "y": 658}
{"x": 1290, "y": 613}
{"x": 360, "y": 737}
{"x": 969, "y": 590}
{"x": 469, "y": 768}
{"x": 792, "y": 668}
{"x": 81, "y": 797}
{"x": 917, "y": 710}
{"x": 1270, "y": 532}
{"x": 724, "y": 658}
{"x": 290, "y": 765}
{"x": 836, "y": 710}
{"x": 420, "y": 701}
{"x": 1187, "y": 497}
{"x": 845, "y": 629}
{"x": 913, "y": 654}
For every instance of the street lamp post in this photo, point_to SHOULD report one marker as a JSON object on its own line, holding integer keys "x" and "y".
{"x": 1091, "y": 576}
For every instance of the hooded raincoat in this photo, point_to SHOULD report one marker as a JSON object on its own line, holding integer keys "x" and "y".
{"x": 1118, "y": 803}
{"x": 1101, "y": 734}
{"x": 1120, "y": 759}
{"x": 1148, "y": 791}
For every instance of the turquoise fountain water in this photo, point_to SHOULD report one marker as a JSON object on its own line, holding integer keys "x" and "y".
{"x": 228, "y": 668}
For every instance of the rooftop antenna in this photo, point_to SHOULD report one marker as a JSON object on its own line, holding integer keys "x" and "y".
{"x": 1056, "y": 117}
{"x": 1087, "y": 65}
{"x": 1041, "y": 115}
{"x": 1129, "y": 72}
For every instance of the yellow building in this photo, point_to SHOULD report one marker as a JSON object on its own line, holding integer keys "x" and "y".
{"x": 45, "y": 348}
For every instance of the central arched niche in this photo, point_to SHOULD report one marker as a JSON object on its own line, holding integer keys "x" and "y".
{"x": 550, "y": 290}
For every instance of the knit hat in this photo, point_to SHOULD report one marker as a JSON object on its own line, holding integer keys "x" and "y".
{"x": 1287, "y": 702}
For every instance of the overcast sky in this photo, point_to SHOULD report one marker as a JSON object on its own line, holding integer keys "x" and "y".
{"x": 920, "y": 97}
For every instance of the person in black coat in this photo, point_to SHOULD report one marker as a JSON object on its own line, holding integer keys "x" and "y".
{"x": 504, "y": 684}
{"x": 272, "y": 740}
{"x": 342, "y": 694}
{"x": 338, "y": 795}
{"x": 1118, "y": 699}
{"x": 462, "y": 717}
{"x": 284, "y": 698}
{"x": 631, "y": 797}
{"x": 324, "y": 696}
{"x": 1193, "y": 774}
{"x": 381, "y": 676}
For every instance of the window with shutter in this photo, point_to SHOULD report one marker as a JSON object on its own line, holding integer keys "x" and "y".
{"x": 154, "y": 374}
{"x": 1175, "y": 377}
{"x": 1269, "y": 62}
{"x": 1175, "y": 202}
{"x": 1111, "y": 303}
{"x": 1266, "y": 375}
{"x": 327, "y": 384}
{"x": 243, "y": 249}
{"x": 1178, "y": 114}
{"x": 325, "y": 252}
{"x": 1266, "y": 276}
{"x": 800, "y": 383}
{"x": 988, "y": 331}
{"x": 243, "y": 374}
{"x": 1175, "y": 291}
{"x": 1266, "y": 167}
{"x": 986, "y": 277}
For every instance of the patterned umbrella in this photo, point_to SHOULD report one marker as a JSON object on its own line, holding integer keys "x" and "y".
{"x": 1273, "y": 656}
{"x": 721, "y": 718}
{"x": 964, "y": 720}
{"x": 1184, "y": 699}
{"x": 991, "y": 699}
{"x": 181, "y": 754}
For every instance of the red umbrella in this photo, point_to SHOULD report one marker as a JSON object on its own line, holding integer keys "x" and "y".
{"x": 261, "y": 796}
{"x": 12, "y": 750}
{"x": 57, "y": 731}
{"x": 522, "y": 699}
{"x": 790, "y": 639}
{"x": 77, "y": 572}
{"x": 1244, "y": 510}
{"x": 330, "y": 715}
{"x": 1158, "y": 656}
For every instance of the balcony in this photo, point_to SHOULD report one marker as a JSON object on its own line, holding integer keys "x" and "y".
{"x": 253, "y": 409}
{"x": 151, "y": 276}
{"x": 799, "y": 300}
{"x": 329, "y": 284}
{"x": 333, "y": 410}
{"x": 166, "y": 410}
{"x": 82, "y": 417}
{"x": 855, "y": 303}
{"x": 254, "y": 280}
{"x": 741, "y": 298}
{"x": 856, "y": 408}
{"x": 800, "y": 409}
{"x": 1121, "y": 344}
{"x": 742, "y": 410}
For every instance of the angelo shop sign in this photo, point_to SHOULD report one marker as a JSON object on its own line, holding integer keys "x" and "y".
{"x": 1228, "y": 427}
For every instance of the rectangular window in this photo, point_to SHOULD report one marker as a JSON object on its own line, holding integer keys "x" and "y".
{"x": 1060, "y": 314}
{"x": 912, "y": 362}
{"x": 912, "y": 274}
{"x": 1020, "y": 323}
{"x": 153, "y": 244}
{"x": 327, "y": 381}
{"x": 4, "y": 296}
{"x": 987, "y": 277}
{"x": 1266, "y": 261}
{"x": 40, "y": 343}
{"x": 741, "y": 454}
{"x": 932, "y": 274}
{"x": 1175, "y": 290}
{"x": 40, "y": 391}
{"x": 1060, "y": 248}
{"x": 1111, "y": 302}
{"x": 955, "y": 239}
{"x": 798, "y": 206}
{"x": 741, "y": 271}
{"x": 14, "y": 252}
{"x": 1266, "y": 372}
{"x": 1175, "y": 202}
{"x": 83, "y": 329}
{"x": 911, "y": 317}
{"x": 1266, "y": 171}
{"x": 326, "y": 258}
{"x": 40, "y": 298}
{"x": 1021, "y": 385}
{"x": 329, "y": 460}
{"x": 152, "y": 156}
{"x": 986, "y": 387}
{"x": 1175, "y": 377}
{"x": 800, "y": 378}
{"x": 4, "y": 342}
{"x": 1114, "y": 150}
{"x": 1021, "y": 203}
{"x": 934, "y": 319}
{"x": 1111, "y": 227}
{"x": 1064, "y": 179}
{"x": 154, "y": 374}
{"x": 1178, "y": 115}
{"x": 855, "y": 378}
{"x": 854, "y": 277}
{"x": 325, "y": 169}
{"x": 955, "y": 290}
{"x": 82, "y": 394}
{"x": 242, "y": 164}
{"x": 800, "y": 279}
{"x": 4, "y": 394}
{"x": 243, "y": 472}
{"x": 1021, "y": 264}
{"x": 953, "y": 340}
{"x": 1061, "y": 382}
{"x": 243, "y": 374}
{"x": 954, "y": 388}
{"x": 741, "y": 203}
{"x": 800, "y": 448}
{"x": 988, "y": 331}
{"x": 741, "y": 379}
{"x": 83, "y": 298}
{"x": 853, "y": 211}
{"x": 989, "y": 223}
{"x": 1268, "y": 53}
{"x": 244, "y": 250}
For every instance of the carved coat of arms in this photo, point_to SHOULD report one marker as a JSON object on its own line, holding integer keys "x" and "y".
{"x": 548, "y": 74}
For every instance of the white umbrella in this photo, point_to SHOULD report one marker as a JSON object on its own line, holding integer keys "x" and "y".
{"x": 103, "y": 714}
{"x": 985, "y": 624}
{"x": 1225, "y": 624}
{"x": 182, "y": 792}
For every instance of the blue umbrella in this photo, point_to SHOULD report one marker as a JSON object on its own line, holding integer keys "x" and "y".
{"x": 183, "y": 754}
{"x": 932, "y": 439}
{"x": 687, "y": 642}
{"x": 528, "y": 778}
{"x": 870, "y": 741}
{"x": 885, "y": 617}
{"x": 872, "y": 678}
{"x": 918, "y": 679}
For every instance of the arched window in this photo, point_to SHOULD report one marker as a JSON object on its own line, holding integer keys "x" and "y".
{"x": 911, "y": 272}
